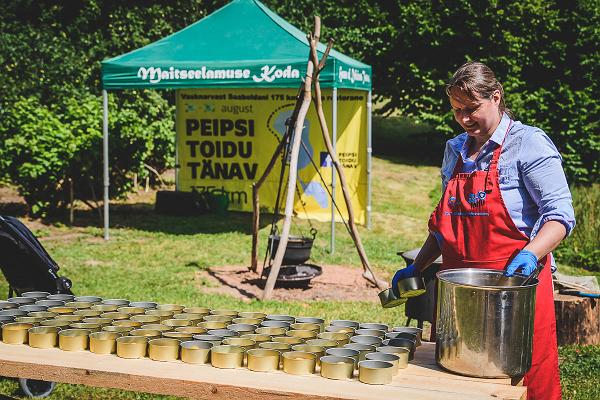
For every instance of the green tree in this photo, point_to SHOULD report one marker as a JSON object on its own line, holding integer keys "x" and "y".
{"x": 546, "y": 53}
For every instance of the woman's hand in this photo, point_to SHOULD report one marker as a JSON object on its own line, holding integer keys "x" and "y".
{"x": 526, "y": 261}
{"x": 549, "y": 236}
{"x": 403, "y": 273}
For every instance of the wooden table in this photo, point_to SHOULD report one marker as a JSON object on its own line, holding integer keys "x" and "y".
{"x": 422, "y": 380}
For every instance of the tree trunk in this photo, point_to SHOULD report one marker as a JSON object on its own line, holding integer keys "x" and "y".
{"x": 289, "y": 203}
{"x": 577, "y": 320}
{"x": 367, "y": 271}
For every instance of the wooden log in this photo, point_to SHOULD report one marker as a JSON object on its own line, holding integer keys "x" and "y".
{"x": 290, "y": 124}
{"x": 367, "y": 271}
{"x": 291, "y": 191}
{"x": 577, "y": 320}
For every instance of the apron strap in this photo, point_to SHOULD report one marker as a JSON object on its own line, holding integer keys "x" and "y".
{"x": 494, "y": 162}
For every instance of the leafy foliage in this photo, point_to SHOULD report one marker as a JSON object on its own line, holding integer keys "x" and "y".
{"x": 546, "y": 53}
{"x": 49, "y": 150}
{"x": 50, "y": 111}
{"x": 581, "y": 248}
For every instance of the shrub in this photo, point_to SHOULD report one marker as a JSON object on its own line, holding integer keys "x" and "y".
{"x": 48, "y": 149}
{"x": 581, "y": 248}
{"x": 544, "y": 52}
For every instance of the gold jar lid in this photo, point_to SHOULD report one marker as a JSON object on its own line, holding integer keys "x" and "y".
{"x": 375, "y": 372}
{"x": 128, "y": 323}
{"x": 196, "y": 352}
{"x": 271, "y": 331}
{"x": 177, "y": 335}
{"x": 69, "y": 317}
{"x": 252, "y": 314}
{"x": 79, "y": 304}
{"x": 131, "y": 310}
{"x": 340, "y": 337}
{"x": 105, "y": 307}
{"x": 87, "y": 313}
{"x": 43, "y": 337}
{"x": 227, "y": 356}
{"x": 176, "y": 308}
{"x": 62, "y": 310}
{"x": 336, "y": 367}
{"x": 73, "y": 339}
{"x": 275, "y": 346}
{"x": 194, "y": 330}
{"x": 299, "y": 362}
{"x": 15, "y": 332}
{"x": 197, "y": 310}
{"x": 115, "y": 315}
{"x": 306, "y": 326}
{"x": 231, "y": 313}
{"x": 132, "y": 346}
{"x": 246, "y": 344}
{"x": 263, "y": 360}
{"x": 156, "y": 327}
{"x": 163, "y": 349}
{"x": 288, "y": 339}
{"x": 302, "y": 334}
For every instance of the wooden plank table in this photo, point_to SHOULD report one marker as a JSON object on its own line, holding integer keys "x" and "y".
{"x": 422, "y": 380}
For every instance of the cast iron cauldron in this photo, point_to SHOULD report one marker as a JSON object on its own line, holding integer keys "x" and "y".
{"x": 297, "y": 250}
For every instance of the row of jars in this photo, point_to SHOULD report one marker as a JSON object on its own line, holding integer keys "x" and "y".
{"x": 223, "y": 338}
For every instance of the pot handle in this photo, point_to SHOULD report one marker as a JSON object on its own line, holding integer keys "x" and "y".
{"x": 533, "y": 275}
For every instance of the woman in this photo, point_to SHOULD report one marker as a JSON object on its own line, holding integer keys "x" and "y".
{"x": 505, "y": 205}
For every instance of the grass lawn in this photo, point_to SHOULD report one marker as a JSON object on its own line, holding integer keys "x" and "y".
{"x": 153, "y": 257}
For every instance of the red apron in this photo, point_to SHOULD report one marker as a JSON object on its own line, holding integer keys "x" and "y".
{"x": 475, "y": 230}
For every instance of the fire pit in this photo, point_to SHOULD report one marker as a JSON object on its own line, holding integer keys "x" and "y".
{"x": 297, "y": 250}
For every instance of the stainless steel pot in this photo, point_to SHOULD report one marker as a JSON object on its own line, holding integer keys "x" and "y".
{"x": 484, "y": 323}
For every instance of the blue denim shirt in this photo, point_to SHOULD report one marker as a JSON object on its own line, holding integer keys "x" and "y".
{"x": 532, "y": 181}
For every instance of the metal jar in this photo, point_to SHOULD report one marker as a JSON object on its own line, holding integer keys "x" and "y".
{"x": 484, "y": 324}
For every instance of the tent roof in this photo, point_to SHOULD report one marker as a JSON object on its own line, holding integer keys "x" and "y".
{"x": 243, "y": 44}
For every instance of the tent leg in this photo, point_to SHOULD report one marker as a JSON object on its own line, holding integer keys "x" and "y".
{"x": 369, "y": 152}
{"x": 176, "y": 141}
{"x": 333, "y": 184}
{"x": 105, "y": 158}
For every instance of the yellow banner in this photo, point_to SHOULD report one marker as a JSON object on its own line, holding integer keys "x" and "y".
{"x": 226, "y": 137}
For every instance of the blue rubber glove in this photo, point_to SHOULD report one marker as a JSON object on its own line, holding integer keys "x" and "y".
{"x": 407, "y": 272}
{"x": 525, "y": 260}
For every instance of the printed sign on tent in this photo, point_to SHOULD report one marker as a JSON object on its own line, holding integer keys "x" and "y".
{"x": 226, "y": 137}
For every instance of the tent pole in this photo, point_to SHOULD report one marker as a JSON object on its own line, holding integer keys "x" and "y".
{"x": 105, "y": 158}
{"x": 369, "y": 152}
{"x": 176, "y": 140}
{"x": 333, "y": 185}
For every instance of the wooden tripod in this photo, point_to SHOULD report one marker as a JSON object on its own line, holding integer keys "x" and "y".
{"x": 314, "y": 67}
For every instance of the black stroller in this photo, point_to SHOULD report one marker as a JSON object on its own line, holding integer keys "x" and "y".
{"x": 28, "y": 267}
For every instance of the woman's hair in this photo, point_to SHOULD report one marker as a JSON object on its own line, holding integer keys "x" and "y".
{"x": 477, "y": 80}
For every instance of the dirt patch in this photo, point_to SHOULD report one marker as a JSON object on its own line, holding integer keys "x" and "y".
{"x": 11, "y": 203}
{"x": 336, "y": 283}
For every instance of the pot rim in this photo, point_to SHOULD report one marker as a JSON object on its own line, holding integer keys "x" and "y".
{"x": 441, "y": 275}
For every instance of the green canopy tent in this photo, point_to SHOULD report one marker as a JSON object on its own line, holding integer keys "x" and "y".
{"x": 243, "y": 44}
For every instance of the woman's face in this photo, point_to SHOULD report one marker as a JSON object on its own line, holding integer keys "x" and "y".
{"x": 479, "y": 117}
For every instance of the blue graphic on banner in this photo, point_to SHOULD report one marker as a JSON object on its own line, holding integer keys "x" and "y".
{"x": 316, "y": 190}
{"x": 312, "y": 189}
{"x": 325, "y": 159}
